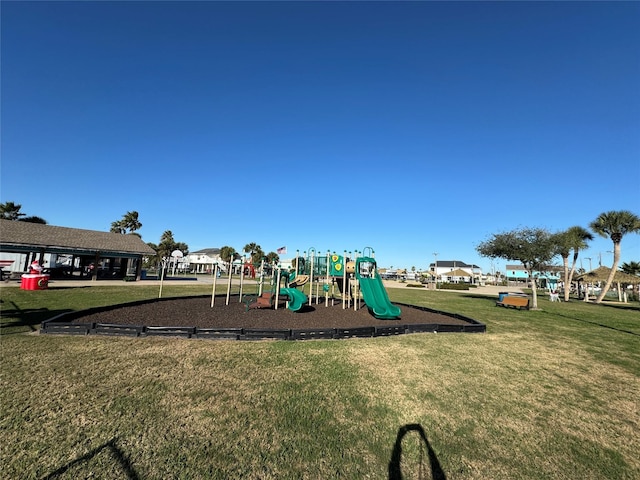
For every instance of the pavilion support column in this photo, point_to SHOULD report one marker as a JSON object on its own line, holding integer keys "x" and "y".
{"x": 96, "y": 263}
{"x": 27, "y": 261}
{"x": 124, "y": 267}
{"x": 138, "y": 269}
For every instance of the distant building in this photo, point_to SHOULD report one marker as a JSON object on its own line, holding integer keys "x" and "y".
{"x": 455, "y": 271}
{"x": 203, "y": 260}
{"x": 517, "y": 273}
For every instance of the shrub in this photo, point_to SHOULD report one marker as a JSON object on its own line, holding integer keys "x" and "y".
{"x": 454, "y": 286}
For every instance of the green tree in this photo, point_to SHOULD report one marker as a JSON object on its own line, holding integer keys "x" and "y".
{"x": 33, "y": 219}
{"x": 632, "y": 268}
{"x": 615, "y": 225}
{"x": 164, "y": 248}
{"x": 534, "y": 248}
{"x": 11, "y": 211}
{"x": 272, "y": 258}
{"x": 152, "y": 260}
{"x": 128, "y": 224}
{"x": 571, "y": 240}
{"x": 228, "y": 254}
{"x": 255, "y": 252}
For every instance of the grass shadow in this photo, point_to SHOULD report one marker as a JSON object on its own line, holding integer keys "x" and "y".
{"x": 395, "y": 467}
{"x": 110, "y": 447}
{"x": 493, "y": 298}
{"x": 15, "y": 317}
{"x": 620, "y": 306}
{"x": 568, "y": 317}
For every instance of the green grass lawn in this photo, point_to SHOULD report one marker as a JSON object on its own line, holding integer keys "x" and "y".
{"x": 552, "y": 393}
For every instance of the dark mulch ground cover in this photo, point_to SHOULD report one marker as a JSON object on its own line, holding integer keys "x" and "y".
{"x": 197, "y": 312}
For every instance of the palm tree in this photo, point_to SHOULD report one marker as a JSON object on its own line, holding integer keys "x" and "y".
{"x": 250, "y": 248}
{"x": 130, "y": 221}
{"x": 227, "y": 254}
{"x": 574, "y": 239}
{"x": 10, "y": 211}
{"x": 615, "y": 225}
{"x": 272, "y": 258}
{"x": 128, "y": 224}
{"x": 255, "y": 252}
{"x": 632, "y": 268}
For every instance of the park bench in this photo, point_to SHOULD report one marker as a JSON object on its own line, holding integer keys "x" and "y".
{"x": 518, "y": 302}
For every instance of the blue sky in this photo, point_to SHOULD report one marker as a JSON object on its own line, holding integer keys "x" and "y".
{"x": 411, "y": 128}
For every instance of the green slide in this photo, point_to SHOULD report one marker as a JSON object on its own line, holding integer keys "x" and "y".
{"x": 296, "y": 298}
{"x": 373, "y": 291}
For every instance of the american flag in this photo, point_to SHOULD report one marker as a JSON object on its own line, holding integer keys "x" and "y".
{"x": 282, "y": 250}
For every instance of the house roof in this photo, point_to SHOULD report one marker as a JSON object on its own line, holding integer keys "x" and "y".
{"x": 16, "y": 236}
{"x": 207, "y": 251}
{"x": 457, "y": 273}
{"x": 453, "y": 264}
{"x": 517, "y": 266}
{"x": 548, "y": 268}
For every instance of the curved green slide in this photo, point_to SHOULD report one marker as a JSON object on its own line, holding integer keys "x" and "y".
{"x": 296, "y": 298}
{"x": 375, "y": 295}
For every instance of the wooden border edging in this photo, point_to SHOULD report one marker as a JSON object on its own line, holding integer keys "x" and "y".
{"x": 62, "y": 324}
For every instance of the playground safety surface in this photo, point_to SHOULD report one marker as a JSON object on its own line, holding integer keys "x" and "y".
{"x": 195, "y": 317}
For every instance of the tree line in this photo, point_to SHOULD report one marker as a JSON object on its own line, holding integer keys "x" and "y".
{"x": 130, "y": 223}
{"x": 535, "y": 248}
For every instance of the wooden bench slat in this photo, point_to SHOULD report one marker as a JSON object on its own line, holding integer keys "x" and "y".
{"x": 514, "y": 302}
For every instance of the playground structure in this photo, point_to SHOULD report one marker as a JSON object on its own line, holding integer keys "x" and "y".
{"x": 326, "y": 278}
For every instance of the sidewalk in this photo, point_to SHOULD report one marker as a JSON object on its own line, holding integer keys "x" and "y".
{"x": 482, "y": 290}
{"x": 208, "y": 280}
{"x": 120, "y": 283}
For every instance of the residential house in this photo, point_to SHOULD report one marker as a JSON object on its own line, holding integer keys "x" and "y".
{"x": 548, "y": 279}
{"x": 204, "y": 260}
{"x": 455, "y": 271}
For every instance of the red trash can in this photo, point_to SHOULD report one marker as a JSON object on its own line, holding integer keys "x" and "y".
{"x": 34, "y": 281}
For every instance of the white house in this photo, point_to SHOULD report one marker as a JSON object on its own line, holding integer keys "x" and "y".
{"x": 455, "y": 271}
{"x": 203, "y": 260}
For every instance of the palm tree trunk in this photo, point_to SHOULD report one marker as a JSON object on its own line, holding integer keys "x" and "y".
{"x": 567, "y": 285}
{"x": 612, "y": 273}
